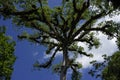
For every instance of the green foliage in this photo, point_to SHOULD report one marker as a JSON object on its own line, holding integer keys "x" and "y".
{"x": 7, "y": 58}
{"x": 108, "y": 69}
{"x": 60, "y": 28}
{"x": 118, "y": 42}
{"x": 112, "y": 70}
{"x": 118, "y": 38}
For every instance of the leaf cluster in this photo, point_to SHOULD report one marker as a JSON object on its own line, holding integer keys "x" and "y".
{"x": 7, "y": 58}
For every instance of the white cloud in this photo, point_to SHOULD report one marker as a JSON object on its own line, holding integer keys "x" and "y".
{"x": 115, "y": 18}
{"x": 107, "y": 47}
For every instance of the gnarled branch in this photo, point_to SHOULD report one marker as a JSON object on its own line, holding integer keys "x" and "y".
{"x": 49, "y": 62}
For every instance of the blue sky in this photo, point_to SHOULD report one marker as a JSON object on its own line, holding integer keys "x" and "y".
{"x": 27, "y": 53}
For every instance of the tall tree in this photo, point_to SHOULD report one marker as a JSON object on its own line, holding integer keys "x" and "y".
{"x": 62, "y": 27}
{"x": 7, "y": 58}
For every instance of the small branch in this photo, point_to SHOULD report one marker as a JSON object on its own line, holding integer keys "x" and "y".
{"x": 82, "y": 35}
{"x": 51, "y": 34}
{"x": 73, "y": 69}
{"x": 80, "y": 52}
{"x": 49, "y": 62}
{"x": 85, "y": 40}
{"x": 40, "y": 3}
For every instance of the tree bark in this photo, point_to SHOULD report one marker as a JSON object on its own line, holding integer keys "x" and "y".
{"x": 63, "y": 73}
{"x": 64, "y": 66}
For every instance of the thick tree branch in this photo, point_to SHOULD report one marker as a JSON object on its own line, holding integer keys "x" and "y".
{"x": 25, "y": 15}
{"x": 86, "y": 41}
{"x": 37, "y": 40}
{"x": 40, "y": 3}
{"x": 103, "y": 29}
{"x": 16, "y": 13}
{"x": 79, "y": 14}
{"x": 74, "y": 5}
{"x": 103, "y": 13}
{"x": 87, "y": 23}
{"x": 51, "y": 34}
{"x": 82, "y": 35}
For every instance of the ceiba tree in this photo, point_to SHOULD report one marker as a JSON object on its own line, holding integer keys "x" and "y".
{"x": 61, "y": 28}
{"x": 7, "y": 57}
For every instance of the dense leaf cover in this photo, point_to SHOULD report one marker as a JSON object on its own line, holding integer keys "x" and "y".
{"x": 7, "y": 57}
{"x": 112, "y": 70}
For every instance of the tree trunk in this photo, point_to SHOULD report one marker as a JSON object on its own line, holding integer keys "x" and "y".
{"x": 63, "y": 73}
{"x": 64, "y": 66}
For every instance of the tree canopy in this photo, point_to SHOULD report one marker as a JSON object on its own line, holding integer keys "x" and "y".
{"x": 62, "y": 27}
{"x": 7, "y": 57}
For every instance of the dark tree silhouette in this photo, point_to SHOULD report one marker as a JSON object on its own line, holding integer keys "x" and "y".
{"x": 115, "y": 3}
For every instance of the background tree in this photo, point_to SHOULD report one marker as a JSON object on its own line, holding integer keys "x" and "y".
{"x": 109, "y": 69}
{"x": 112, "y": 70}
{"x": 7, "y": 58}
{"x": 62, "y": 27}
